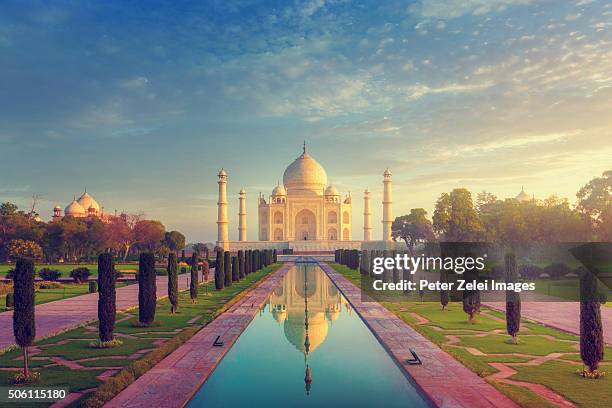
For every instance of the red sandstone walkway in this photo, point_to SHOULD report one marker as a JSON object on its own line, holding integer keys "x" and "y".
{"x": 177, "y": 378}
{"x": 442, "y": 378}
{"x": 64, "y": 314}
{"x": 564, "y": 316}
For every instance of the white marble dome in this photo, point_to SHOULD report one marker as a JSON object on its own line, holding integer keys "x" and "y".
{"x": 279, "y": 190}
{"x": 305, "y": 174}
{"x": 74, "y": 209}
{"x": 331, "y": 190}
{"x": 87, "y": 201}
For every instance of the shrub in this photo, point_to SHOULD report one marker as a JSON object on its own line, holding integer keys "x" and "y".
{"x": 93, "y": 287}
{"x": 107, "y": 307}
{"x": 161, "y": 272}
{"x": 10, "y": 274}
{"x": 147, "y": 289}
{"x": 557, "y": 270}
{"x": 497, "y": 272}
{"x": 219, "y": 276}
{"x": 513, "y": 299}
{"x": 193, "y": 283}
{"x": 10, "y": 300}
{"x": 24, "y": 326}
{"x": 173, "y": 296}
{"x": 530, "y": 272}
{"x": 183, "y": 269}
{"x": 105, "y": 344}
{"x": 227, "y": 269}
{"x": 80, "y": 275}
{"x": 205, "y": 271}
{"x": 49, "y": 274}
{"x": 48, "y": 285}
{"x": 235, "y": 270}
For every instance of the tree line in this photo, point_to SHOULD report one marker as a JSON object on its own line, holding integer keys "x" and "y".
{"x": 77, "y": 239}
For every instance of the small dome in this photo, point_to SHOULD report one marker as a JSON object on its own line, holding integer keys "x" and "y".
{"x": 387, "y": 173}
{"x": 222, "y": 172}
{"x": 57, "y": 207}
{"x": 305, "y": 173}
{"x": 523, "y": 196}
{"x": 87, "y": 201}
{"x": 331, "y": 190}
{"x": 279, "y": 190}
{"x": 74, "y": 208}
{"x": 242, "y": 192}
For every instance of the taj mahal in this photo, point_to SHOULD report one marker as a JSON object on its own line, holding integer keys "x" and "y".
{"x": 304, "y": 213}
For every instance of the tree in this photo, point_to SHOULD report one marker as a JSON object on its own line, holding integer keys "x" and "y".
{"x": 513, "y": 299}
{"x": 19, "y": 248}
{"x": 149, "y": 234}
{"x": 227, "y": 269}
{"x": 455, "y": 217}
{"x": 412, "y": 228}
{"x": 219, "y": 271}
{"x": 173, "y": 295}
{"x": 591, "y": 330}
{"x": 175, "y": 241}
{"x": 471, "y": 298}
{"x": 24, "y": 325}
{"x": 193, "y": 284}
{"x": 8, "y": 208}
{"x": 235, "y": 270}
{"x": 595, "y": 200}
{"x": 241, "y": 265}
{"x": 147, "y": 290}
{"x": 107, "y": 297}
{"x": 201, "y": 249}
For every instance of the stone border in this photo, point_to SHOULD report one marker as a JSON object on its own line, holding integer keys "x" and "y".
{"x": 176, "y": 379}
{"x": 441, "y": 378}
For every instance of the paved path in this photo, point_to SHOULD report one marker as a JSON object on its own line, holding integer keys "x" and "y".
{"x": 443, "y": 379}
{"x": 564, "y": 316}
{"x": 64, "y": 314}
{"x": 174, "y": 381}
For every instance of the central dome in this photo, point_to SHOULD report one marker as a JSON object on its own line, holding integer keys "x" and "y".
{"x": 306, "y": 174}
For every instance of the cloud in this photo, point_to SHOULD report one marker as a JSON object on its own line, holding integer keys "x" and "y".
{"x": 449, "y": 9}
{"x": 137, "y": 82}
{"x": 419, "y": 90}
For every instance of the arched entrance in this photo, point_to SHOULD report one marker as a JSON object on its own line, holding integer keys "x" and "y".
{"x": 305, "y": 226}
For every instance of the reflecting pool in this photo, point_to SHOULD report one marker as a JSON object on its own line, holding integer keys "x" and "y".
{"x": 307, "y": 348}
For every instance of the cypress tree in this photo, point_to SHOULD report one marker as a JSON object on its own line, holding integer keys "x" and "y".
{"x": 241, "y": 271}
{"x": 107, "y": 297}
{"x": 147, "y": 288}
{"x": 173, "y": 282}
{"x": 254, "y": 260}
{"x": 471, "y": 298}
{"x": 227, "y": 268}
{"x": 591, "y": 330}
{"x": 248, "y": 262}
{"x": 219, "y": 276}
{"x": 205, "y": 271}
{"x": 24, "y": 323}
{"x": 443, "y": 293}
{"x": 513, "y": 300}
{"x": 275, "y": 256}
{"x": 235, "y": 270}
{"x": 193, "y": 284}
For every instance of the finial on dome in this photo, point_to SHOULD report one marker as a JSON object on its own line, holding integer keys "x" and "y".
{"x": 304, "y": 152}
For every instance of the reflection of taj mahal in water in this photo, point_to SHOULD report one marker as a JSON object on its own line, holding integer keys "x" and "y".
{"x": 306, "y": 288}
{"x": 304, "y": 213}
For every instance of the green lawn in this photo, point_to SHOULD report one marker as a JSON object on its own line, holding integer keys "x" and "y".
{"x": 50, "y": 295}
{"x": 65, "y": 269}
{"x": 567, "y": 289}
{"x": 74, "y": 344}
{"x": 534, "y": 341}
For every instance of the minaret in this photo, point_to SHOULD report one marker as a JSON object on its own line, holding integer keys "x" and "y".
{"x": 367, "y": 216}
{"x": 222, "y": 231}
{"x": 387, "y": 206}
{"x": 242, "y": 216}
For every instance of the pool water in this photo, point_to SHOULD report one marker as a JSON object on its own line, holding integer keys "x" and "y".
{"x": 268, "y": 364}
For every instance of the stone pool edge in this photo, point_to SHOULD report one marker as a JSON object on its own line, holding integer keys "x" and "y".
{"x": 441, "y": 379}
{"x": 175, "y": 380}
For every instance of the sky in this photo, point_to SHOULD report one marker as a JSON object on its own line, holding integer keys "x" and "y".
{"x": 143, "y": 102}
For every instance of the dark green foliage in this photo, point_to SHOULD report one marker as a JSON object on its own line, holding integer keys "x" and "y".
{"x": 471, "y": 298}
{"x": 10, "y": 300}
{"x": 183, "y": 270}
{"x": 275, "y": 256}
{"x": 364, "y": 263}
{"x": 241, "y": 266}
{"x": 193, "y": 282}
{"x": 591, "y": 330}
{"x": 513, "y": 299}
{"x": 387, "y": 275}
{"x": 173, "y": 295}
{"x": 205, "y": 271}
{"x": 24, "y": 322}
{"x": 147, "y": 290}
{"x": 80, "y": 275}
{"x": 254, "y": 260}
{"x": 235, "y": 270}
{"x": 219, "y": 271}
{"x": 182, "y": 255}
{"x": 247, "y": 262}
{"x": 557, "y": 270}
{"x": 443, "y": 293}
{"x": 107, "y": 298}
{"x": 227, "y": 268}
{"x": 49, "y": 274}
{"x": 93, "y": 287}
{"x": 530, "y": 272}
{"x": 396, "y": 271}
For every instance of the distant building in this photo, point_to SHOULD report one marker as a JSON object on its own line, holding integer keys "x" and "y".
{"x": 523, "y": 196}
{"x": 85, "y": 207}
